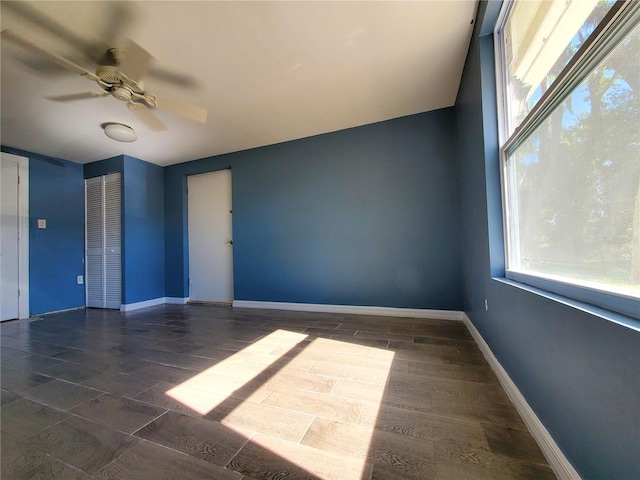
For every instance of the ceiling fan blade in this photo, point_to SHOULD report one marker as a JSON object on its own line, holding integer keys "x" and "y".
{"x": 122, "y": 18}
{"x": 147, "y": 117}
{"x": 172, "y": 76}
{"x": 10, "y": 36}
{"x": 78, "y": 96}
{"x": 119, "y": 23}
{"x": 136, "y": 61}
{"x": 183, "y": 109}
{"x": 42, "y": 21}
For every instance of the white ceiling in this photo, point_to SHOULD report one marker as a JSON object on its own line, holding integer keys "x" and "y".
{"x": 267, "y": 72}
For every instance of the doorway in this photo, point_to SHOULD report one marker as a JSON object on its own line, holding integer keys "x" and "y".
{"x": 14, "y": 237}
{"x": 210, "y": 237}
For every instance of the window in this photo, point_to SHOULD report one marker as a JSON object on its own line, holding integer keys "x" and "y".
{"x": 569, "y": 81}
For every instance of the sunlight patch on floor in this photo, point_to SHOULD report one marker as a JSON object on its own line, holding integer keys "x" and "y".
{"x": 208, "y": 389}
{"x": 326, "y": 449}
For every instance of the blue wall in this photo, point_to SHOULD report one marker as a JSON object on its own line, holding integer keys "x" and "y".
{"x": 56, "y": 254}
{"x": 143, "y": 225}
{"x": 376, "y": 215}
{"x": 577, "y": 370}
{"x": 104, "y": 167}
{"x": 143, "y": 230}
{"x": 365, "y": 216}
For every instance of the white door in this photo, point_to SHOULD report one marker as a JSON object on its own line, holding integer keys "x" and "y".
{"x": 210, "y": 243}
{"x": 14, "y": 237}
{"x": 103, "y": 261}
{"x": 9, "y": 241}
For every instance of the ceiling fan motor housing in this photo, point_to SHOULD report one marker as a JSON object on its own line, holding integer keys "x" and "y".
{"x": 114, "y": 82}
{"x": 108, "y": 74}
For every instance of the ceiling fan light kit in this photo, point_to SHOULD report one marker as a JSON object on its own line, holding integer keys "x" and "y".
{"x": 120, "y": 132}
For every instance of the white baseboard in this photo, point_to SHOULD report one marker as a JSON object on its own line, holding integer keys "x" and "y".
{"x": 147, "y": 303}
{"x": 361, "y": 310}
{"x": 557, "y": 460}
{"x": 153, "y": 302}
{"x": 176, "y": 300}
{"x": 56, "y": 311}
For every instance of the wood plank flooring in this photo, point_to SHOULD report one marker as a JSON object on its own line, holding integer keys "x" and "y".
{"x": 215, "y": 392}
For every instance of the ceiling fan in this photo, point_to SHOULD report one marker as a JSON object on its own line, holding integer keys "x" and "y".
{"x": 120, "y": 76}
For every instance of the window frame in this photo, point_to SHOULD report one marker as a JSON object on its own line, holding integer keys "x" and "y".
{"x": 619, "y": 21}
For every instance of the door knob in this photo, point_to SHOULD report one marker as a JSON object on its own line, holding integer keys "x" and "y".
{"x": 230, "y": 242}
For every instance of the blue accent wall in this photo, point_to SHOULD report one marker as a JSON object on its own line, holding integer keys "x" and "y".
{"x": 56, "y": 254}
{"x": 364, "y": 216}
{"x": 142, "y": 225}
{"x": 143, "y": 202}
{"x": 402, "y": 213}
{"x": 577, "y": 370}
{"x": 104, "y": 167}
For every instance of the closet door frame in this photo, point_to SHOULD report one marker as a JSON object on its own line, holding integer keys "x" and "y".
{"x": 103, "y": 242}
{"x": 23, "y": 231}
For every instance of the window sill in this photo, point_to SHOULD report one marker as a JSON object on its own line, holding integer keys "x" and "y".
{"x": 603, "y": 313}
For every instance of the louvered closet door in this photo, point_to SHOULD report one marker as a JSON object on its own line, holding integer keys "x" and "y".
{"x": 112, "y": 240}
{"x": 103, "y": 240}
{"x": 94, "y": 237}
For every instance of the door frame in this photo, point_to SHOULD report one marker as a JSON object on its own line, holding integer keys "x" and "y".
{"x": 23, "y": 232}
{"x": 103, "y": 181}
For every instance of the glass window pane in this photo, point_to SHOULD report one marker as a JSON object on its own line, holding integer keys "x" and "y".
{"x": 574, "y": 184}
{"x": 540, "y": 38}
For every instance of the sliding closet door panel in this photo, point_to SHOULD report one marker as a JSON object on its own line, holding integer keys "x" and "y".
{"x": 112, "y": 241}
{"x": 94, "y": 260}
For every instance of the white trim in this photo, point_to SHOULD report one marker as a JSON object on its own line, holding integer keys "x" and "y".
{"x": 147, "y": 303}
{"x": 176, "y": 300}
{"x": 23, "y": 210}
{"x": 557, "y": 460}
{"x": 153, "y": 302}
{"x": 40, "y": 315}
{"x": 23, "y": 232}
{"x": 355, "y": 309}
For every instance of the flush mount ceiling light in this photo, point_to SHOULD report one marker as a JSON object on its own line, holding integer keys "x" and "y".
{"x": 120, "y": 132}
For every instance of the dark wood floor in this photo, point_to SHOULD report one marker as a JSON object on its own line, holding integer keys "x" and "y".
{"x": 202, "y": 392}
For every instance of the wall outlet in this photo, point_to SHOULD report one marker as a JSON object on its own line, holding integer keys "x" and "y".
{"x": 80, "y": 279}
{"x": 486, "y": 305}
{"x": 42, "y": 223}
